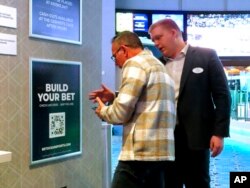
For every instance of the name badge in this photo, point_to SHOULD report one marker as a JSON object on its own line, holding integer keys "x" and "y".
{"x": 198, "y": 70}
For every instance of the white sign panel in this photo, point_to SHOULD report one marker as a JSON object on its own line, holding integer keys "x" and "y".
{"x": 8, "y": 44}
{"x": 8, "y": 16}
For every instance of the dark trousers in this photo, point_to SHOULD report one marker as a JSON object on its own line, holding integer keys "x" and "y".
{"x": 142, "y": 174}
{"x": 192, "y": 165}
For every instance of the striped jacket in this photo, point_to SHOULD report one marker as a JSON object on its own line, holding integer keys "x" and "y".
{"x": 145, "y": 106}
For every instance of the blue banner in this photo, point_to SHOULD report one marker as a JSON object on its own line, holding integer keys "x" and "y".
{"x": 56, "y": 20}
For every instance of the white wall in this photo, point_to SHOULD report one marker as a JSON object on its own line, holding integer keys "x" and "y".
{"x": 238, "y": 5}
{"x": 108, "y": 31}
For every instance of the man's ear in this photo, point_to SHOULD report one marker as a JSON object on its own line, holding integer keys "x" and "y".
{"x": 125, "y": 50}
{"x": 174, "y": 32}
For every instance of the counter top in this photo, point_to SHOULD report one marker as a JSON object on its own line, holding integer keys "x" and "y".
{"x": 5, "y": 156}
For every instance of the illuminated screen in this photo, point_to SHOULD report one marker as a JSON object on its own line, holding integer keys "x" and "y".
{"x": 135, "y": 22}
{"x": 140, "y": 22}
{"x": 178, "y": 18}
{"x": 124, "y": 21}
{"x": 227, "y": 33}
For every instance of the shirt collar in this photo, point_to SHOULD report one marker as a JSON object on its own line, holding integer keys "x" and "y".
{"x": 182, "y": 54}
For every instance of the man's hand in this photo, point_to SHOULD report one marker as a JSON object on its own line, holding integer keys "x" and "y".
{"x": 99, "y": 107}
{"x": 104, "y": 94}
{"x": 216, "y": 145}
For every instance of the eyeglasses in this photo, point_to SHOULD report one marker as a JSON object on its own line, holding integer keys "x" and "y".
{"x": 113, "y": 57}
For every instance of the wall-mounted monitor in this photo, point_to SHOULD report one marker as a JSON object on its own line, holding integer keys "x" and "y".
{"x": 124, "y": 21}
{"x": 132, "y": 21}
{"x": 226, "y": 32}
{"x": 139, "y": 21}
{"x": 136, "y": 21}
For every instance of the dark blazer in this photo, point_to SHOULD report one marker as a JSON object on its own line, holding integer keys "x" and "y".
{"x": 204, "y": 102}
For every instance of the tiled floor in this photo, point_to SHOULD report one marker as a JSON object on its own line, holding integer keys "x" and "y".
{"x": 235, "y": 156}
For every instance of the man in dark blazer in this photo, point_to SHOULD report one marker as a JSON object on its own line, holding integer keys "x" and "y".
{"x": 203, "y": 103}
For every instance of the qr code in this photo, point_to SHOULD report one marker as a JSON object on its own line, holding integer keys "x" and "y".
{"x": 56, "y": 124}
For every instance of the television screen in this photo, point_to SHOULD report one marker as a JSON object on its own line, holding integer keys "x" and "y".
{"x": 178, "y": 18}
{"x": 226, "y": 32}
{"x": 140, "y": 22}
{"x": 136, "y": 22}
{"x": 124, "y": 21}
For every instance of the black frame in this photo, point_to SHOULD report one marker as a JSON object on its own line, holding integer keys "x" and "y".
{"x": 225, "y": 59}
{"x": 149, "y": 13}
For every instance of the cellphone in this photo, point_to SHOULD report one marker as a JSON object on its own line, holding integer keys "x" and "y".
{"x": 94, "y": 107}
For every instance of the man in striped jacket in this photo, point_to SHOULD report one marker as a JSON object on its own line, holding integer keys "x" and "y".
{"x": 145, "y": 106}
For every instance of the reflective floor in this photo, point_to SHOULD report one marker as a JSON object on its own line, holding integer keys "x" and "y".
{"x": 235, "y": 156}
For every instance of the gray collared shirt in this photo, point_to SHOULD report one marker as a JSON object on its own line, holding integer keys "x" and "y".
{"x": 174, "y": 68}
